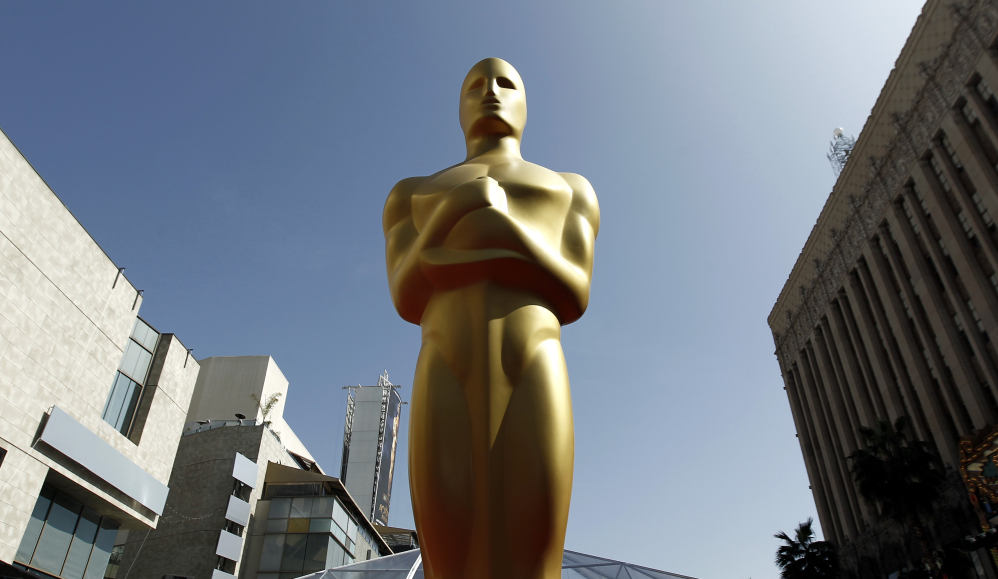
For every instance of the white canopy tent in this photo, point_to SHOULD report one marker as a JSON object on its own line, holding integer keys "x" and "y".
{"x": 409, "y": 565}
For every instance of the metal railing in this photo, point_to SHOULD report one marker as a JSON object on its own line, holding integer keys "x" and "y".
{"x": 203, "y": 425}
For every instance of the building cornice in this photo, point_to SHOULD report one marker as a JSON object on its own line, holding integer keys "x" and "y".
{"x": 944, "y": 78}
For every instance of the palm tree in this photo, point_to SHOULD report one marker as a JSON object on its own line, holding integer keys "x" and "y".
{"x": 266, "y": 405}
{"x": 900, "y": 475}
{"x": 804, "y": 558}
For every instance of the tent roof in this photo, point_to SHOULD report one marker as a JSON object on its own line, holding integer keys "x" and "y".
{"x": 408, "y": 565}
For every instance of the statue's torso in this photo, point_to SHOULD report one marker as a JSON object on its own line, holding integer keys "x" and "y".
{"x": 458, "y": 319}
{"x": 537, "y": 197}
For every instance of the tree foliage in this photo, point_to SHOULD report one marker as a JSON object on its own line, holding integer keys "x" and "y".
{"x": 266, "y": 405}
{"x": 903, "y": 476}
{"x": 801, "y": 557}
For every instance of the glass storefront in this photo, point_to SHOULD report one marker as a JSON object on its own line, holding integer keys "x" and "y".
{"x": 307, "y": 534}
{"x": 66, "y": 539}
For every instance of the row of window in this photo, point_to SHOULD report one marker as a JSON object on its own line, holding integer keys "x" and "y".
{"x": 306, "y": 508}
{"x": 306, "y": 534}
{"x": 301, "y": 553}
{"x": 320, "y": 507}
{"x": 126, "y": 390}
{"x": 67, "y": 539}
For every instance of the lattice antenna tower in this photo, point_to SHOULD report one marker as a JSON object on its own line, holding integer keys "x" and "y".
{"x": 839, "y": 150}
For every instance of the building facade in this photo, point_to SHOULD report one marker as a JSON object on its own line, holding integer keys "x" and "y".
{"x": 246, "y": 497}
{"x": 892, "y": 307}
{"x": 92, "y": 399}
{"x": 370, "y": 440}
{"x": 307, "y": 522}
{"x": 400, "y": 540}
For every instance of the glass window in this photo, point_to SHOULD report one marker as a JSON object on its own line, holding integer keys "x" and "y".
{"x": 273, "y": 548}
{"x": 297, "y": 525}
{"x": 340, "y": 516}
{"x": 132, "y": 372}
{"x": 268, "y": 576}
{"x": 60, "y": 541}
{"x": 320, "y": 525}
{"x": 83, "y": 543}
{"x": 145, "y": 335}
{"x": 35, "y": 524}
{"x": 122, "y": 402}
{"x": 335, "y": 555}
{"x": 114, "y": 562}
{"x": 322, "y": 507}
{"x": 301, "y": 507}
{"x": 294, "y": 552}
{"x": 102, "y": 549}
{"x": 112, "y": 408}
{"x": 57, "y": 535}
{"x": 339, "y": 534}
{"x": 280, "y": 508}
{"x": 277, "y": 525}
{"x": 135, "y": 362}
{"x": 351, "y": 530}
{"x": 315, "y": 552}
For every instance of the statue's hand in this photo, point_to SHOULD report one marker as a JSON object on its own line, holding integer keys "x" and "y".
{"x": 435, "y": 215}
{"x": 471, "y": 195}
{"x": 494, "y": 194}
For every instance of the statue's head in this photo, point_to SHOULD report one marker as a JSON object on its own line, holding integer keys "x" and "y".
{"x": 493, "y": 101}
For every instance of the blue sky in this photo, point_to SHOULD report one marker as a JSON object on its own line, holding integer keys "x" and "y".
{"x": 235, "y": 158}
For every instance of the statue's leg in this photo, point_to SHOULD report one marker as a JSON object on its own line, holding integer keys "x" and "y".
{"x": 535, "y": 453}
{"x": 440, "y": 466}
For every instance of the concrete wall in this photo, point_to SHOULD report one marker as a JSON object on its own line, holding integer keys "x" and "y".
{"x": 184, "y": 541}
{"x": 226, "y": 386}
{"x": 65, "y": 318}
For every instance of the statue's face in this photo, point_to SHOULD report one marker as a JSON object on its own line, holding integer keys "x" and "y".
{"x": 493, "y": 100}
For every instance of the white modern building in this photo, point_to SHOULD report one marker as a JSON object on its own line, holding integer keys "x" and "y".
{"x": 93, "y": 399}
{"x": 247, "y": 498}
{"x": 231, "y": 386}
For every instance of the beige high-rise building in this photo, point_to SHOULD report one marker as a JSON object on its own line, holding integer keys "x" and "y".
{"x": 892, "y": 307}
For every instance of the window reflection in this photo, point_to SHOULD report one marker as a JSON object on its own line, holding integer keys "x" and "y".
{"x": 294, "y": 552}
{"x": 66, "y": 539}
{"x": 273, "y": 547}
{"x": 306, "y": 534}
{"x": 126, "y": 390}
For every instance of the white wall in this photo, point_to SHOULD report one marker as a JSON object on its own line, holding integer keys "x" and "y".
{"x": 226, "y": 386}
{"x": 63, "y": 328}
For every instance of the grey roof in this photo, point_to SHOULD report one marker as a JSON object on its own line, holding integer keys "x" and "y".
{"x": 409, "y": 565}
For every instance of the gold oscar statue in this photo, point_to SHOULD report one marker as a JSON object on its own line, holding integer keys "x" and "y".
{"x": 491, "y": 257}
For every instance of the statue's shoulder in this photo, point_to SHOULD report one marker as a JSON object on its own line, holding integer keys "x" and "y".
{"x": 582, "y": 190}
{"x": 406, "y": 187}
{"x": 398, "y": 206}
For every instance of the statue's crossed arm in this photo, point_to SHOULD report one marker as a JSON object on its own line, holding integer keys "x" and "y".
{"x": 564, "y": 272}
